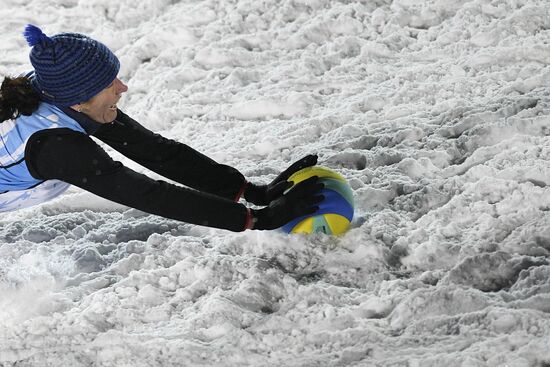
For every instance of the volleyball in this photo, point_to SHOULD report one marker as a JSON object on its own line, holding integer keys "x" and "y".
{"x": 335, "y": 211}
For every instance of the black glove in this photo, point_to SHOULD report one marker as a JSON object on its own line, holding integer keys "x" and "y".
{"x": 265, "y": 194}
{"x": 301, "y": 200}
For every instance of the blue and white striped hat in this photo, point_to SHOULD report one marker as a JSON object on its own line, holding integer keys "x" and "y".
{"x": 69, "y": 68}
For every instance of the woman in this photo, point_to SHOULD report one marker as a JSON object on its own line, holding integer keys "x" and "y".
{"x": 49, "y": 114}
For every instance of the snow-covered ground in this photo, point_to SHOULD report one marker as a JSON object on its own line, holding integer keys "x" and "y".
{"x": 437, "y": 112}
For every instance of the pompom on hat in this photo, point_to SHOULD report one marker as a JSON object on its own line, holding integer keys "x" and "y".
{"x": 69, "y": 68}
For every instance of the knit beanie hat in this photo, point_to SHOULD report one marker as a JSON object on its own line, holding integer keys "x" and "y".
{"x": 69, "y": 68}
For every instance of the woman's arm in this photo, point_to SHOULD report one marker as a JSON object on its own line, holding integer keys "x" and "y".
{"x": 75, "y": 158}
{"x": 171, "y": 159}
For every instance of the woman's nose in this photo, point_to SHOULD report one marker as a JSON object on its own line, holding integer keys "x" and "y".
{"x": 120, "y": 86}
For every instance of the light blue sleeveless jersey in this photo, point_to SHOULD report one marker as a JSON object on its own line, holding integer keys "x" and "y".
{"x": 15, "y": 177}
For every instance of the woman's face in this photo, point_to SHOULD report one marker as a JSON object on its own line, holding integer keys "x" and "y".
{"x": 102, "y": 107}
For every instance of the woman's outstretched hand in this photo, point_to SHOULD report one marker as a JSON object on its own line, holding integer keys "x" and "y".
{"x": 301, "y": 200}
{"x": 265, "y": 194}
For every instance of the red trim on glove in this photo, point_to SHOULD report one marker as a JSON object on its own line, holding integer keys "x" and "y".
{"x": 241, "y": 192}
{"x": 249, "y": 219}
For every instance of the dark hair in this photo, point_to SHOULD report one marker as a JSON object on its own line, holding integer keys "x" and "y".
{"x": 17, "y": 98}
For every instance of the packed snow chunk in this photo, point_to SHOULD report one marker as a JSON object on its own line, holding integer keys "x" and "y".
{"x": 212, "y": 58}
{"x": 375, "y": 307}
{"x": 417, "y": 169}
{"x": 424, "y": 304}
{"x": 266, "y": 109}
{"x": 489, "y": 271}
{"x": 321, "y": 30}
{"x": 150, "y": 295}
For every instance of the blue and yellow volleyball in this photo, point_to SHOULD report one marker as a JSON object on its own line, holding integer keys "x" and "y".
{"x": 335, "y": 211}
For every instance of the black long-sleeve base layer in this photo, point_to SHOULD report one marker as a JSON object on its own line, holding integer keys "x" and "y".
{"x": 73, "y": 157}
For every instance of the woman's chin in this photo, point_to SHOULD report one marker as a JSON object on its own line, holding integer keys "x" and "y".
{"x": 109, "y": 116}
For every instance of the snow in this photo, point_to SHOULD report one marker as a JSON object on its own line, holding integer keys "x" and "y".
{"x": 436, "y": 111}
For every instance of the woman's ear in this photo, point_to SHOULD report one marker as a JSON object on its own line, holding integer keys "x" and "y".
{"x": 77, "y": 107}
